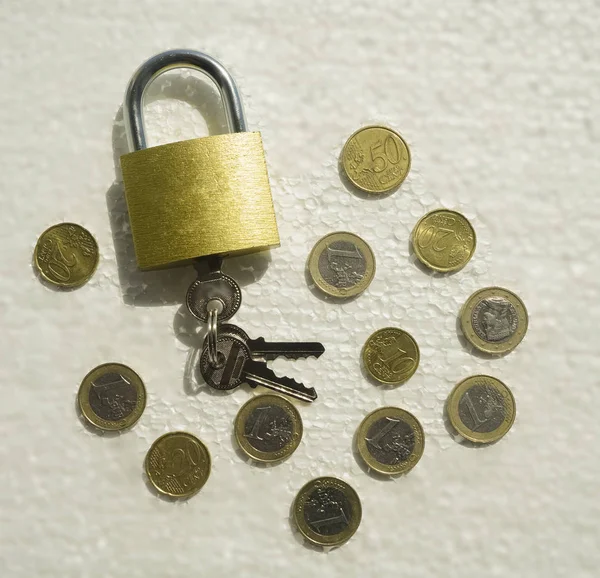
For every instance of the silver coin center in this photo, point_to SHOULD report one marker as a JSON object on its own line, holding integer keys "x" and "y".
{"x": 494, "y": 319}
{"x": 342, "y": 264}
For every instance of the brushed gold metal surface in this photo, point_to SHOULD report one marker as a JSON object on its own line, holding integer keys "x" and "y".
{"x": 199, "y": 197}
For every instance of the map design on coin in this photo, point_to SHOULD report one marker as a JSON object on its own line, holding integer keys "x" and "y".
{"x": 342, "y": 264}
{"x": 494, "y": 319}
{"x": 269, "y": 428}
{"x": 481, "y": 408}
{"x": 66, "y": 255}
{"x": 112, "y": 396}
{"x": 327, "y": 511}
{"x": 178, "y": 464}
{"x": 390, "y": 440}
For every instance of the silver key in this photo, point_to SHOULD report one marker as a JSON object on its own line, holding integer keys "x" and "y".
{"x": 236, "y": 365}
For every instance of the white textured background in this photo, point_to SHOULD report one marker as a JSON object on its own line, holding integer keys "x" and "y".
{"x": 499, "y": 102}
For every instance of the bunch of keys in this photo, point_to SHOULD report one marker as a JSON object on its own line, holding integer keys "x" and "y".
{"x": 229, "y": 357}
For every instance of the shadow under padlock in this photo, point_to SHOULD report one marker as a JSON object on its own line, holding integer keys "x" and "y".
{"x": 169, "y": 286}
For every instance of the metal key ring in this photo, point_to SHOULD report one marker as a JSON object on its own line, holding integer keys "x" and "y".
{"x": 212, "y": 336}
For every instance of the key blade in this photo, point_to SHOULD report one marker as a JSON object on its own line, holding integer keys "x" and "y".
{"x": 269, "y": 350}
{"x": 257, "y": 373}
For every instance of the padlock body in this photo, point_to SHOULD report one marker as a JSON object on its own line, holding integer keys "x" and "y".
{"x": 199, "y": 197}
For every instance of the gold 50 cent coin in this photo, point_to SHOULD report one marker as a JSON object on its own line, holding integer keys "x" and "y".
{"x": 327, "y": 511}
{"x": 341, "y": 265}
{"x": 268, "y": 428}
{"x": 66, "y": 255}
{"x": 178, "y": 464}
{"x": 444, "y": 240}
{"x": 112, "y": 397}
{"x": 494, "y": 320}
{"x": 391, "y": 355}
{"x": 376, "y": 159}
{"x": 390, "y": 440}
{"x": 481, "y": 409}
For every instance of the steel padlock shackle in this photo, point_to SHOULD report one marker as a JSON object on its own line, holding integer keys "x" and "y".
{"x": 133, "y": 106}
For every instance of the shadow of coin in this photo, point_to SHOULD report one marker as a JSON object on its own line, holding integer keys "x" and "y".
{"x": 352, "y": 188}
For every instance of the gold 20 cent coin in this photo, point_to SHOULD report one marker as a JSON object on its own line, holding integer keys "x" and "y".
{"x": 481, "y": 409}
{"x": 66, "y": 255}
{"x": 268, "y": 428}
{"x": 444, "y": 240}
{"x": 391, "y": 355}
{"x": 112, "y": 397}
{"x": 327, "y": 511}
{"x": 376, "y": 159}
{"x": 341, "y": 265}
{"x": 390, "y": 440}
{"x": 494, "y": 320}
{"x": 178, "y": 464}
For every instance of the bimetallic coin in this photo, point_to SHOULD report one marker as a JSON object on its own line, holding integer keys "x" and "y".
{"x": 178, "y": 464}
{"x": 376, "y": 159}
{"x": 327, "y": 511}
{"x": 494, "y": 320}
{"x": 112, "y": 397}
{"x": 444, "y": 240}
{"x": 341, "y": 265}
{"x": 66, "y": 255}
{"x": 481, "y": 409}
{"x": 390, "y": 440}
{"x": 268, "y": 428}
{"x": 391, "y": 355}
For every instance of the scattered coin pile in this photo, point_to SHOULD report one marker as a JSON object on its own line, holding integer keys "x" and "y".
{"x": 268, "y": 428}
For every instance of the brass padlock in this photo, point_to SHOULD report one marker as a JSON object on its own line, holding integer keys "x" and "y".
{"x": 199, "y": 197}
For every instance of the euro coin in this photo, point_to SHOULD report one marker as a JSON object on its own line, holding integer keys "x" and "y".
{"x": 390, "y": 440}
{"x": 376, "y": 159}
{"x": 66, "y": 255}
{"x": 391, "y": 356}
{"x": 268, "y": 428}
{"x": 112, "y": 397}
{"x": 481, "y": 409}
{"x": 444, "y": 240}
{"x": 178, "y": 464}
{"x": 494, "y": 320}
{"x": 341, "y": 265}
{"x": 327, "y": 511}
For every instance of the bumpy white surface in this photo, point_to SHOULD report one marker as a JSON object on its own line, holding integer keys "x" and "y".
{"x": 498, "y": 102}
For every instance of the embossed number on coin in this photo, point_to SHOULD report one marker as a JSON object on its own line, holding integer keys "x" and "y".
{"x": 444, "y": 240}
{"x": 327, "y": 511}
{"x": 66, "y": 255}
{"x": 391, "y": 355}
{"x": 390, "y": 440}
{"x": 112, "y": 397}
{"x": 268, "y": 428}
{"x": 341, "y": 265}
{"x": 481, "y": 408}
{"x": 376, "y": 159}
{"x": 178, "y": 464}
{"x": 494, "y": 320}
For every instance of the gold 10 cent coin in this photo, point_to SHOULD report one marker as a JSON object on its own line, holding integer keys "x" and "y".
{"x": 494, "y": 320}
{"x": 444, "y": 240}
{"x": 178, "y": 464}
{"x": 112, "y": 397}
{"x": 327, "y": 511}
{"x": 391, "y": 355}
{"x": 376, "y": 159}
{"x": 66, "y": 255}
{"x": 481, "y": 409}
{"x": 390, "y": 440}
{"x": 341, "y": 265}
{"x": 268, "y": 428}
